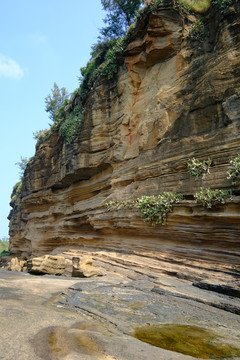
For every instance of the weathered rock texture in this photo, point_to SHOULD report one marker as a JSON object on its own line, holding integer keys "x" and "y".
{"x": 172, "y": 99}
{"x": 56, "y": 265}
{"x": 48, "y": 264}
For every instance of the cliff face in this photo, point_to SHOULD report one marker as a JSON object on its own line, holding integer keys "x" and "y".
{"x": 172, "y": 99}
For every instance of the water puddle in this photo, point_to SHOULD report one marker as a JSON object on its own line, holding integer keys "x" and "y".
{"x": 188, "y": 340}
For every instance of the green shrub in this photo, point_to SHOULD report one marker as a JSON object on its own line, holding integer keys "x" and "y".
{"x": 22, "y": 165}
{"x": 103, "y": 63}
{"x": 109, "y": 68}
{"x": 16, "y": 191}
{"x": 70, "y": 127}
{"x": 106, "y": 54}
{"x": 41, "y": 136}
{"x": 55, "y": 101}
{"x": 198, "y": 31}
{"x": 154, "y": 208}
{"x": 198, "y": 168}
{"x": 105, "y": 59}
{"x": 3, "y": 246}
{"x": 209, "y": 197}
{"x": 5, "y": 253}
{"x": 234, "y": 170}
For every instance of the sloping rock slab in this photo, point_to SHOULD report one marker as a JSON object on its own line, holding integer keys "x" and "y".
{"x": 230, "y": 290}
{"x": 125, "y": 305}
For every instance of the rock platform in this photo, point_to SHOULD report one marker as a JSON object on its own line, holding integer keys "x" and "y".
{"x": 56, "y": 318}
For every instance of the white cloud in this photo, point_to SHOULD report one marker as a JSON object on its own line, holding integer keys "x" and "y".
{"x": 10, "y": 68}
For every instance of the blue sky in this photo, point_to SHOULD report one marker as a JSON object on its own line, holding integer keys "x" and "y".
{"x": 41, "y": 42}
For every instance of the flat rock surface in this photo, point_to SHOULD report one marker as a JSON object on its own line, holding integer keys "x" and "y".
{"x": 49, "y": 317}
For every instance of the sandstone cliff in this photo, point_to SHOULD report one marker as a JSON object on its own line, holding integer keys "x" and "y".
{"x": 173, "y": 99}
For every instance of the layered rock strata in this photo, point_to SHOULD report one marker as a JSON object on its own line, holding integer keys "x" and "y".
{"x": 172, "y": 99}
{"x": 56, "y": 265}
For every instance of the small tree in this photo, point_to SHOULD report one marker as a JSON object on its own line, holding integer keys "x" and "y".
{"x": 22, "y": 165}
{"x": 55, "y": 101}
{"x": 120, "y": 15}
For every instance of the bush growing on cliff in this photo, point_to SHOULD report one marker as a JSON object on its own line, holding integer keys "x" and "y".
{"x": 198, "y": 168}
{"x": 107, "y": 53}
{"x": 109, "y": 67}
{"x": 209, "y": 197}
{"x": 16, "y": 191}
{"x": 121, "y": 14}
{"x": 100, "y": 65}
{"x": 198, "y": 31}
{"x": 234, "y": 170}
{"x": 70, "y": 127}
{"x": 154, "y": 209}
{"x": 22, "y": 164}
{"x": 41, "y": 135}
{"x": 91, "y": 71}
{"x": 102, "y": 57}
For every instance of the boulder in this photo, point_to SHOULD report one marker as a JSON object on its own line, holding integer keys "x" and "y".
{"x": 47, "y": 264}
{"x": 17, "y": 265}
{"x": 14, "y": 265}
{"x": 84, "y": 268}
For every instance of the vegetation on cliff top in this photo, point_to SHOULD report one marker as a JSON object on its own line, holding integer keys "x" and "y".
{"x": 120, "y": 15}
{"x": 16, "y": 191}
{"x": 122, "y": 18}
{"x": 22, "y": 164}
{"x": 55, "y": 101}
